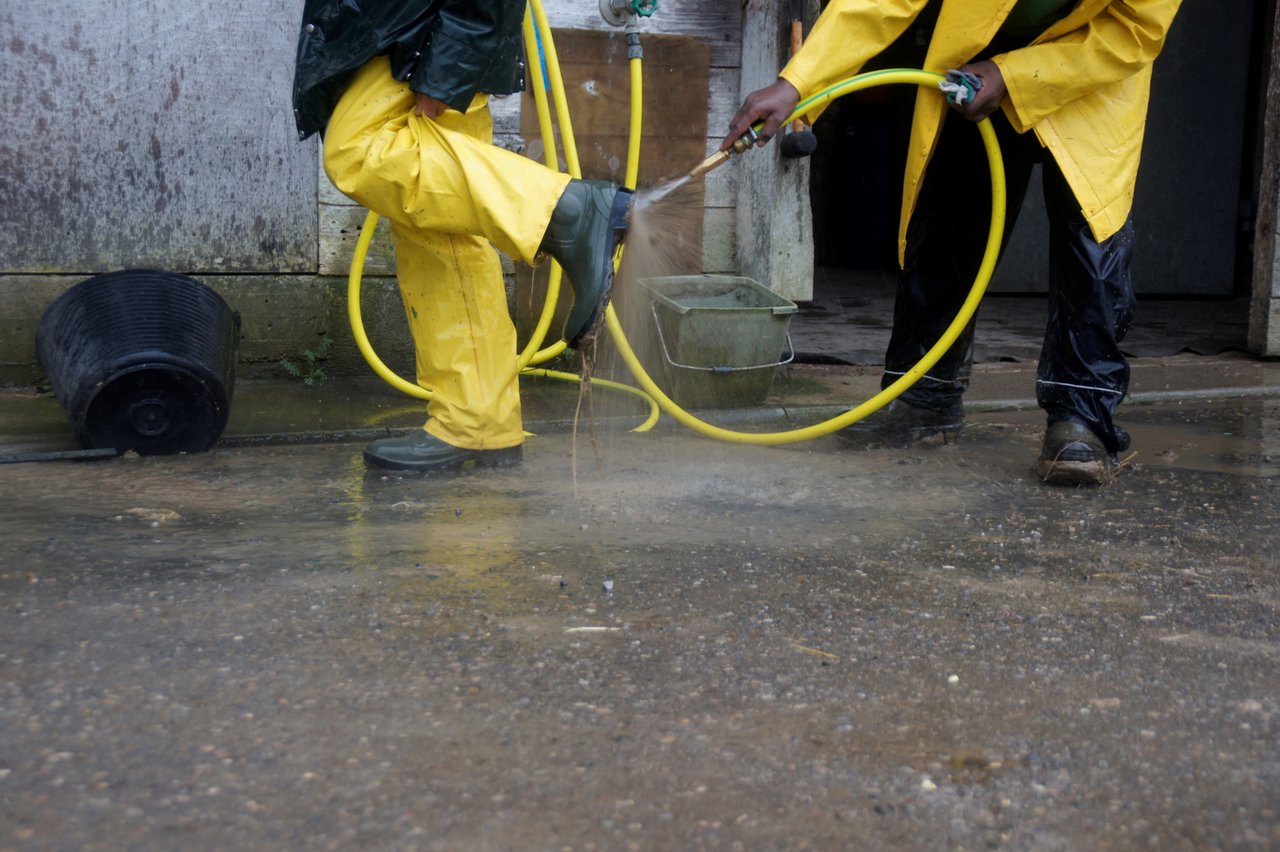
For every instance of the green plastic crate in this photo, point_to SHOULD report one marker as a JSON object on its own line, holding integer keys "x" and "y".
{"x": 715, "y": 341}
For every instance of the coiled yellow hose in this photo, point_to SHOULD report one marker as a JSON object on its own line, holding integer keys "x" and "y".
{"x": 649, "y": 390}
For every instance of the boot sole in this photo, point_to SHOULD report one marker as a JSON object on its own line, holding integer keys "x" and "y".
{"x": 1067, "y": 472}
{"x": 482, "y": 458}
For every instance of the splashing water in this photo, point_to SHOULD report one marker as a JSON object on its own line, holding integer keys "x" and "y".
{"x": 665, "y": 237}
{"x": 662, "y": 240}
{"x": 648, "y": 197}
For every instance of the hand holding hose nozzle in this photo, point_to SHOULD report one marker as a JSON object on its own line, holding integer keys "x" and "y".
{"x": 722, "y": 156}
{"x": 746, "y": 140}
{"x": 761, "y": 115}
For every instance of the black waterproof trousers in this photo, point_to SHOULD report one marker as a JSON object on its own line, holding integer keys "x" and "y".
{"x": 1082, "y": 374}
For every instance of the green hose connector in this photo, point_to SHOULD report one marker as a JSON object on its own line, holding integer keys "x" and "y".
{"x": 616, "y": 12}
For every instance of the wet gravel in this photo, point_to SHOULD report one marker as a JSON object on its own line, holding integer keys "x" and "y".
{"x": 702, "y": 645}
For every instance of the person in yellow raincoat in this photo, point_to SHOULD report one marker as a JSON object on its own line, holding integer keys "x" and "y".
{"x": 1066, "y": 84}
{"x": 400, "y": 90}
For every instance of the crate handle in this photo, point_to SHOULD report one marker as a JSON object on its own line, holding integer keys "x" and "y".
{"x": 666, "y": 353}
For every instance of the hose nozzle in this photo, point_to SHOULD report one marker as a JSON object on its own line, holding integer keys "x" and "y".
{"x": 746, "y": 140}
{"x": 742, "y": 143}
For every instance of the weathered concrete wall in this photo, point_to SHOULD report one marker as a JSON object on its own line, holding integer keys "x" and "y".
{"x": 1264, "y": 315}
{"x": 282, "y": 316}
{"x": 154, "y": 133}
{"x": 158, "y": 133}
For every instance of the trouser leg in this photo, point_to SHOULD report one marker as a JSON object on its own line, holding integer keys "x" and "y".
{"x": 946, "y": 239}
{"x": 464, "y": 340}
{"x": 1083, "y": 374}
{"x": 417, "y": 172}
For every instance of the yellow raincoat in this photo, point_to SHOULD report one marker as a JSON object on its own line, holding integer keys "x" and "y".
{"x": 1082, "y": 86}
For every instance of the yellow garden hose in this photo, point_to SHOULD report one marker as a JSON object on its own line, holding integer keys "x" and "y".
{"x": 953, "y": 331}
{"x": 649, "y": 390}
{"x": 538, "y": 42}
{"x": 414, "y": 390}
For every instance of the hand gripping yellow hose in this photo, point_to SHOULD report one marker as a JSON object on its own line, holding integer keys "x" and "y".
{"x": 650, "y": 391}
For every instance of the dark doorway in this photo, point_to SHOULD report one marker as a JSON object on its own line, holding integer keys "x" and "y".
{"x": 1192, "y": 209}
{"x": 1194, "y": 189}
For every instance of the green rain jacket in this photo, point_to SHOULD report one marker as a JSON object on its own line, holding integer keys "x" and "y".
{"x": 448, "y": 49}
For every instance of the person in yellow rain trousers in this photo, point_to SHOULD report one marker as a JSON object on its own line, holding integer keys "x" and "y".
{"x": 1066, "y": 84}
{"x": 399, "y": 89}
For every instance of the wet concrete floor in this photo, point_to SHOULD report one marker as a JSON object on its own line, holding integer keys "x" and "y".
{"x": 700, "y": 645}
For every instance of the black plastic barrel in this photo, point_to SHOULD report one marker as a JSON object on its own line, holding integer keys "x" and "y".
{"x": 142, "y": 360}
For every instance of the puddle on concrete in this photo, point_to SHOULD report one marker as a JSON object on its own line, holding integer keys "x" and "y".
{"x": 1224, "y": 437}
{"x": 703, "y": 644}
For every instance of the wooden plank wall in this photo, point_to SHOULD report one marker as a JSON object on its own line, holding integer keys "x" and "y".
{"x": 774, "y": 223}
{"x": 718, "y": 22}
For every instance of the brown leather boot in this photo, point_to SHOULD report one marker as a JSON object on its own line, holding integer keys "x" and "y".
{"x": 1073, "y": 455}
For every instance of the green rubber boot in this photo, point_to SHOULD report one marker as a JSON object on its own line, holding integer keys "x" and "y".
{"x": 426, "y": 453}
{"x": 587, "y": 226}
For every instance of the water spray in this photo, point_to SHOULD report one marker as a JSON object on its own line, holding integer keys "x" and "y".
{"x": 719, "y": 158}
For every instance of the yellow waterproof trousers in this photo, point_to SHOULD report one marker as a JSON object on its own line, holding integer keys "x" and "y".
{"x": 448, "y": 193}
